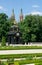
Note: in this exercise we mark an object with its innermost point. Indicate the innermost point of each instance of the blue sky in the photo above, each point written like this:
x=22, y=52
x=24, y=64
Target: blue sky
x=28, y=6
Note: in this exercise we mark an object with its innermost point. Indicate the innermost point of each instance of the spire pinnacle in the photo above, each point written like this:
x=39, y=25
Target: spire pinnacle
x=21, y=15
x=13, y=15
x=21, y=10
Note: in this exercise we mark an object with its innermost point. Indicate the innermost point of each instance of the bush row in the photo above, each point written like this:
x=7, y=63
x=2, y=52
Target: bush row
x=19, y=47
x=21, y=55
x=36, y=62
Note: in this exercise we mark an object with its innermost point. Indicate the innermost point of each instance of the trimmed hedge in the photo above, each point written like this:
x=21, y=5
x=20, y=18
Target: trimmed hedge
x=19, y=47
x=38, y=63
x=22, y=62
x=29, y=61
x=20, y=55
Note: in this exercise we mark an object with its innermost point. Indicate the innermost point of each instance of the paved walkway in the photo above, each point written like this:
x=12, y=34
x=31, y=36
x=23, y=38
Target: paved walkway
x=29, y=44
x=29, y=64
x=2, y=52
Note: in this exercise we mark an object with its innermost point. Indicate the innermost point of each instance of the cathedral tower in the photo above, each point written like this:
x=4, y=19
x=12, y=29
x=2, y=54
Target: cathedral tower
x=21, y=15
x=13, y=17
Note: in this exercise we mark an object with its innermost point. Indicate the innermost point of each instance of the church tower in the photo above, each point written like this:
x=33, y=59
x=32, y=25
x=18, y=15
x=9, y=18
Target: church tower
x=13, y=17
x=21, y=15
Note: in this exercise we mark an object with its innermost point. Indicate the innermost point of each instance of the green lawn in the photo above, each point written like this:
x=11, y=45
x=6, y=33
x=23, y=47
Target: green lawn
x=29, y=57
x=19, y=47
x=22, y=62
x=21, y=55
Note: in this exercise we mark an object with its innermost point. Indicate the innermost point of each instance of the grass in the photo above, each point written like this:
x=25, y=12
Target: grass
x=29, y=61
x=20, y=56
x=22, y=62
x=16, y=63
x=19, y=47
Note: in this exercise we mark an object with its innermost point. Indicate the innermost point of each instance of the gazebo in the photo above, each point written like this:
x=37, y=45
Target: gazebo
x=14, y=34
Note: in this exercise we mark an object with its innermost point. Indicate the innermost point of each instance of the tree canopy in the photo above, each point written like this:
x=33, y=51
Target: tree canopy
x=31, y=28
x=4, y=25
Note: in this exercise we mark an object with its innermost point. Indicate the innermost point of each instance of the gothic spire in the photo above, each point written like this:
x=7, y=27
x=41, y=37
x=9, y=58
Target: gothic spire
x=21, y=15
x=13, y=15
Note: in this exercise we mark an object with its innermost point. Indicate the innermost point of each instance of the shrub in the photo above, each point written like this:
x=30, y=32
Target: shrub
x=16, y=63
x=3, y=41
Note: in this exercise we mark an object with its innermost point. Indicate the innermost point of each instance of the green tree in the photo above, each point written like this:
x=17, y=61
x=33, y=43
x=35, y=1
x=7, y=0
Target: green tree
x=4, y=25
x=31, y=28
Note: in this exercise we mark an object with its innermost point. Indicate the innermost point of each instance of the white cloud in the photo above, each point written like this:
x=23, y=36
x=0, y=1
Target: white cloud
x=35, y=6
x=36, y=13
x=3, y=9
